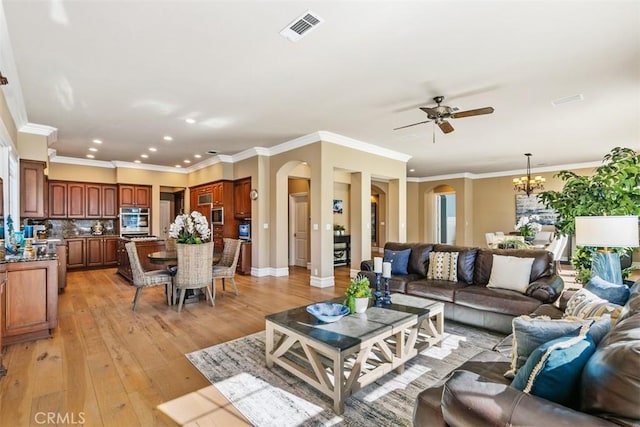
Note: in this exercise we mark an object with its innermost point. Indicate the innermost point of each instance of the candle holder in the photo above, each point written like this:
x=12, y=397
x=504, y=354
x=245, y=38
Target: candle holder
x=378, y=293
x=386, y=299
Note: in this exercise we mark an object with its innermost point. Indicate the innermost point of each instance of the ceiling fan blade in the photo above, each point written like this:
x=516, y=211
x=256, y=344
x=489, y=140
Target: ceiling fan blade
x=469, y=113
x=413, y=124
x=445, y=126
x=430, y=112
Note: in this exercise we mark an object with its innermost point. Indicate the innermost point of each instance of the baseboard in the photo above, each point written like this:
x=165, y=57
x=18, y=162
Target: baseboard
x=322, y=282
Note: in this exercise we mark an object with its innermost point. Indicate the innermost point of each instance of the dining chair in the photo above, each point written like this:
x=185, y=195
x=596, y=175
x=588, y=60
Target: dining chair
x=557, y=250
x=226, y=267
x=489, y=237
x=144, y=279
x=193, y=270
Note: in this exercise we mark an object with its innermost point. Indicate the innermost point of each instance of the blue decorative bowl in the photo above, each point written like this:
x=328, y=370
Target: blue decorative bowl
x=328, y=312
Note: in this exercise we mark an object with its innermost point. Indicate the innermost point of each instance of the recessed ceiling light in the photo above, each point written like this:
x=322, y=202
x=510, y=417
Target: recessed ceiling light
x=137, y=161
x=167, y=138
x=97, y=141
x=197, y=156
x=187, y=161
x=94, y=149
x=144, y=156
x=190, y=121
x=153, y=149
x=412, y=170
x=178, y=166
x=91, y=156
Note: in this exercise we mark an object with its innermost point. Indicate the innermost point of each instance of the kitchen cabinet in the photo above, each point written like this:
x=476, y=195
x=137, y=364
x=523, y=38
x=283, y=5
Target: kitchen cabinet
x=76, y=200
x=93, y=197
x=144, y=248
x=61, y=253
x=68, y=199
x=217, y=191
x=138, y=196
x=95, y=251
x=30, y=301
x=110, y=251
x=244, y=261
x=3, y=280
x=57, y=199
x=76, y=252
x=32, y=189
x=109, y=201
x=241, y=198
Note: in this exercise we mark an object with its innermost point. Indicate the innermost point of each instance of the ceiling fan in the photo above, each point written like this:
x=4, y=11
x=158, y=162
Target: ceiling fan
x=440, y=113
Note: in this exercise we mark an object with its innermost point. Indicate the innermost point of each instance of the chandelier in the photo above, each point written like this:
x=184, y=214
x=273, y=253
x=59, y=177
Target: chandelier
x=526, y=184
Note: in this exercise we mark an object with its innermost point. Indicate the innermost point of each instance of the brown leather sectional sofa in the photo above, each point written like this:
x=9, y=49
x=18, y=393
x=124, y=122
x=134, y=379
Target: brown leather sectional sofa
x=478, y=394
x=469, y=300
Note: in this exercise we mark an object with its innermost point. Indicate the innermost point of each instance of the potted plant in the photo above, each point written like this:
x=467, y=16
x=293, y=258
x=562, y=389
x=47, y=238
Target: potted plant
x=338, y=229
x=513, y=244
x=528, y=227
x=613, y=189
x=358, y=294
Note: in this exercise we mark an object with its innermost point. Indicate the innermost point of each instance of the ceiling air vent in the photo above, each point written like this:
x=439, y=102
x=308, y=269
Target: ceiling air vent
x=301, y=26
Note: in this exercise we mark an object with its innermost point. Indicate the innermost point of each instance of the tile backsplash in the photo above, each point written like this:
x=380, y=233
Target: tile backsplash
x=61, y=228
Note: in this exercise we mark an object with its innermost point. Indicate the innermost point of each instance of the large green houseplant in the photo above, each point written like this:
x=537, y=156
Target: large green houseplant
x=613, y=189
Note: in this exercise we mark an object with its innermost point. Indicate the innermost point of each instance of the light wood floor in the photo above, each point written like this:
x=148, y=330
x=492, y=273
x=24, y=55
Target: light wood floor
x=109, y=366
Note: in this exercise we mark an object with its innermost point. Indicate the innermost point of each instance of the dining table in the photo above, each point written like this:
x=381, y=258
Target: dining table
x=170, y=260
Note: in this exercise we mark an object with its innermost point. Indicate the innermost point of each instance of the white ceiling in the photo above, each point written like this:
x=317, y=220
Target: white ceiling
x=130, y=72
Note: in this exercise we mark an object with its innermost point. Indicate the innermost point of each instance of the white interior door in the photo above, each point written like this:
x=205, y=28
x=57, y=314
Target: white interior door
x=299, y=252
x=165, y=218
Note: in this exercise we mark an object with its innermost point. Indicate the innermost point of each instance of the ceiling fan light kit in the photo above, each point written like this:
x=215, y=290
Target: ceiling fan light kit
x=527, y=184
x=440, y=113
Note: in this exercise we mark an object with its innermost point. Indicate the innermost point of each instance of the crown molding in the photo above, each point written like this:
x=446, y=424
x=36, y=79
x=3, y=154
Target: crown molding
x=468, y=175
x=345, y=141
x=53, y=158
x=35, y=129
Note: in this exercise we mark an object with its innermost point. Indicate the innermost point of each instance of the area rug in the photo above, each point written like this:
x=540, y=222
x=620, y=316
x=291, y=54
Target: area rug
x=273, y=397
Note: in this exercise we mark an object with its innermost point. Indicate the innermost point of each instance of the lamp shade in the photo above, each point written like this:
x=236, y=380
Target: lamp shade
x=607, y=231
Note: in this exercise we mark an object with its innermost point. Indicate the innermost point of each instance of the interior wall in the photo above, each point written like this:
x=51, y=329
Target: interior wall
x=341, y=191
x=7, y=121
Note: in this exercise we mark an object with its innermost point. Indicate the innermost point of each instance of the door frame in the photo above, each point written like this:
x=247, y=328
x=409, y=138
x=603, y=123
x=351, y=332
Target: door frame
x=292, y=222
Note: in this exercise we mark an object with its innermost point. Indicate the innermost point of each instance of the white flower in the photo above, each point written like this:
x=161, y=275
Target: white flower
x=192, y=228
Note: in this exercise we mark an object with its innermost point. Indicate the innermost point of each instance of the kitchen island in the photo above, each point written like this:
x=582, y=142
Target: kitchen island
x=29, y=299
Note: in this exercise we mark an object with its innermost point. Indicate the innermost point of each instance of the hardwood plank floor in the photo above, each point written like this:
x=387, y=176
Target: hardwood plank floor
x=109, y=366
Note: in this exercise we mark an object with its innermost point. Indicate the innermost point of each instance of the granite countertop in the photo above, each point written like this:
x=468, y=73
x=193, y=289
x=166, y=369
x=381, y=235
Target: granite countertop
x=17, y=258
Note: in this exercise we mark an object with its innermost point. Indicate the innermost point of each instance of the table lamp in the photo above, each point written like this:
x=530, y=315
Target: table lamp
x=607, y=232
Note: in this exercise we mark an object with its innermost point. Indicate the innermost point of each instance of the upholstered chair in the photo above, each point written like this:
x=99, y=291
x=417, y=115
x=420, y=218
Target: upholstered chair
x=194, y=269
x=144, y=279
x=226, y=267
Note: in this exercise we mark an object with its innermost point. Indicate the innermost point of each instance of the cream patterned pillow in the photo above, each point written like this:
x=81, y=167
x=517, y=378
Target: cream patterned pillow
x=443, y=266
x=585, y=304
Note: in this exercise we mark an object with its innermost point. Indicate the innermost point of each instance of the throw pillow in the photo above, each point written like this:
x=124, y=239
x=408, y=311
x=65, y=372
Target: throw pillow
x=612, y=292
x=398, y=260
x=531, y=332
x=443, y=266
x=553, y=370
x=510, y=272
x=584, y=304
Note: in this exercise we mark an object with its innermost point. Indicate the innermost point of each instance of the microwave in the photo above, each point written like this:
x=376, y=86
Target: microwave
x=217, y=216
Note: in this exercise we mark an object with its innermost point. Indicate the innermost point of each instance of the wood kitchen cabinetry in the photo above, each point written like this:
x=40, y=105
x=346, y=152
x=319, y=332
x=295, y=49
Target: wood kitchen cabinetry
x=244, y=261
x=32, y=189
x=222, y=197
x=30, y=301
x=241, y=198
x=68, y=199
x=144, y=248
x=137, y=196
x=76, y=252
x=94, y=251
x=3, y=280
x=76, y=200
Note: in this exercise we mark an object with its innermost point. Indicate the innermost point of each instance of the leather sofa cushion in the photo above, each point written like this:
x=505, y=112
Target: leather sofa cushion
x=466, y=260
x=496, y=300
x=419, y=258
x=441, y=290
x=542, y=263
x=396, y=283
x=611, y=377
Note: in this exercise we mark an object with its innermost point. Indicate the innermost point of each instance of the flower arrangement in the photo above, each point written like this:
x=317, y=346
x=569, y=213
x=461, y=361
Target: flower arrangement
x=192, y=229
x=528, y=225
x=358, y=288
